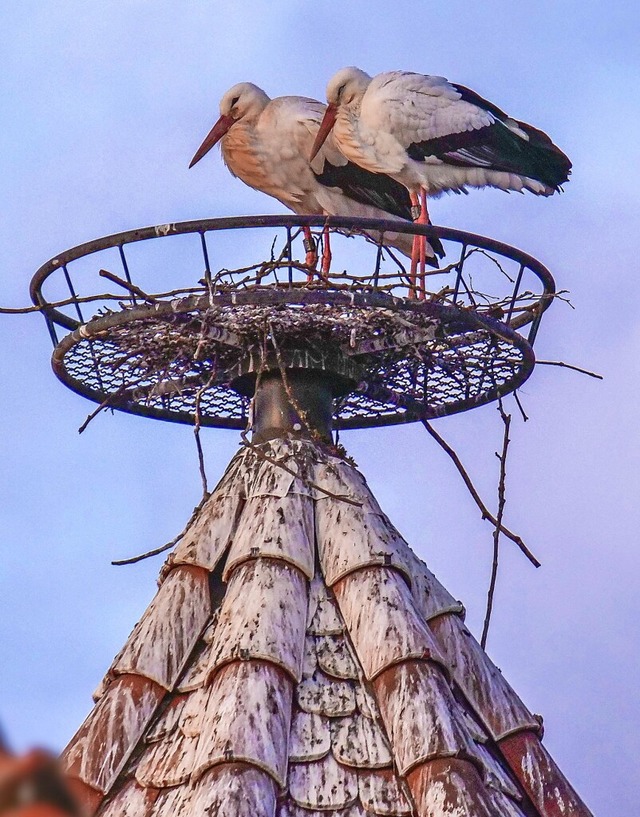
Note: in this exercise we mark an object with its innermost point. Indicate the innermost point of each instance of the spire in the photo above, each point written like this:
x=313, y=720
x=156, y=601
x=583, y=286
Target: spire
x=300, y=659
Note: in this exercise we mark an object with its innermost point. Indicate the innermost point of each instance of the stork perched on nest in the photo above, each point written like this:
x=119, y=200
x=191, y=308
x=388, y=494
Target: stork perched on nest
x=267, y=142
x=432, y=135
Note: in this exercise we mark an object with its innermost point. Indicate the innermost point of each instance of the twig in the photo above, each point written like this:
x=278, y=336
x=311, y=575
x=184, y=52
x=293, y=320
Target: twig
x=109, y=399
x=506, y=419
x=196, y=433
x=104, y=296
x=170, y=544
x=520, y=406
x=26, y=310
x=132, y=288
x=279, y=464
x=260, y=372
x=569, y=366
x=491, y=258
x=486, y=514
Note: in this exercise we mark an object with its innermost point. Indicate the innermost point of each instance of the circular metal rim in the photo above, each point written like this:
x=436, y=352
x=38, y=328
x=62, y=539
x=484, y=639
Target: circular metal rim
x=248, y=222
x=414, y=411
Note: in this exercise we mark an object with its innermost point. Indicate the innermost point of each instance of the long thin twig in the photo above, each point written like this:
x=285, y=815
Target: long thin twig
x=132, y=288
x=196, y=434
x=260, y=372
x=168, y=545
x=108, y=401
x=85, y=299
x=569, y=366
x=525, y=416
x=205, y=491
x=506, y=419
x=486, y=514
x=26, y=310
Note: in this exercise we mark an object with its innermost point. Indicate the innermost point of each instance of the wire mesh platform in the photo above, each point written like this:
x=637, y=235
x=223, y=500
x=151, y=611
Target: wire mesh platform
x=178, y=320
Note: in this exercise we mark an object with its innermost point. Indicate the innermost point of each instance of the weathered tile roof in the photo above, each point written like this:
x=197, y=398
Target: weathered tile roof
x=299, y=660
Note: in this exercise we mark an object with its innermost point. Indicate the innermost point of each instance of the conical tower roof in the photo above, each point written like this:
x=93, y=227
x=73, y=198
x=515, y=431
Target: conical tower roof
x=299, y=660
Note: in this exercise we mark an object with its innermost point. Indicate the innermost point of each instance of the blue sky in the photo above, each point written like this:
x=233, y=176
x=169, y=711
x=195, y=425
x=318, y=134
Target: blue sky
x=103, y=106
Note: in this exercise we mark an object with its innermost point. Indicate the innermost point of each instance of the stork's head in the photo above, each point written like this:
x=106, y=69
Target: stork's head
x=347, y=86
x=244, y=101
x=345, y=89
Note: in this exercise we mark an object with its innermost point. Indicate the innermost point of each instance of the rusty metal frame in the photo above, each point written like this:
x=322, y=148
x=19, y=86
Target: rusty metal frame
x=457, y=319
x=290, y=222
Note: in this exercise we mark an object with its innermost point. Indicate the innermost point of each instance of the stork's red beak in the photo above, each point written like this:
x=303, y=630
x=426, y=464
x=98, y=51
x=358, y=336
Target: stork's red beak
x=215, y=134
x=328, y=121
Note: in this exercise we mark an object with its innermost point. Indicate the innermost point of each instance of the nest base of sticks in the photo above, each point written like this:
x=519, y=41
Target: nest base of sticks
x=385, y=359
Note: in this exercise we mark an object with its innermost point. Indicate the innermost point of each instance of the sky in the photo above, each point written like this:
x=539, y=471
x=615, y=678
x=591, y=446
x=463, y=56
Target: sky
x=103, y=105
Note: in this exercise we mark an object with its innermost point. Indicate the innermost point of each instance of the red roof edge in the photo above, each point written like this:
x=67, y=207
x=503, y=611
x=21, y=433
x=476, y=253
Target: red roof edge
x=540, y=777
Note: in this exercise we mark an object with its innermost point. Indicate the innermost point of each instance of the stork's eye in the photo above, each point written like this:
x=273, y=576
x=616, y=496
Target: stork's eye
x=234, y=101
x=341, y=89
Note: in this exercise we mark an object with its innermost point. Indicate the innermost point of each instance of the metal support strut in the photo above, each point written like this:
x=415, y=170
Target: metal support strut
x=303, y=407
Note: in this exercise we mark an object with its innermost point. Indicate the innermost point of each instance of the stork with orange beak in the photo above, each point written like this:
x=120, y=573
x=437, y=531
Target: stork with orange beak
x=432, y=135
x=267, y=142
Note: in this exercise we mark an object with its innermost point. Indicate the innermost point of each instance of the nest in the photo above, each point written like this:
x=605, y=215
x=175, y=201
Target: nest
x=404, y=359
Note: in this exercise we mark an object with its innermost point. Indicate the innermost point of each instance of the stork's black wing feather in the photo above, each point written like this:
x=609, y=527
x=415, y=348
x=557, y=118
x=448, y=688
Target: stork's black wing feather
x=375, y=189
x=496, y=147
x=467, y=95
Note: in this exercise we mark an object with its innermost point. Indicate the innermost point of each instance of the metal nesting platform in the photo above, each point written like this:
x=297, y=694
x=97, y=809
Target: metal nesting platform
x=176, y=321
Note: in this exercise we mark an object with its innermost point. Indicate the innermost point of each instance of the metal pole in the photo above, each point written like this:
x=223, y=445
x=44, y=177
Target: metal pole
x=303, y=407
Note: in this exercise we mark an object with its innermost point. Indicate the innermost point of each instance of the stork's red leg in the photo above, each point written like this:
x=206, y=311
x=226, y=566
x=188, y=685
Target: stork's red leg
x=311, y=258
x=415, y=249
x=423, y=218
x=326, y=253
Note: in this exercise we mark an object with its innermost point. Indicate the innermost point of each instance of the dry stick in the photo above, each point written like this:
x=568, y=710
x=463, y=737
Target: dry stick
x=486, y=514
x=196, y=432
x=491, y=258
x=105, y=296
x=109, y=399
x=520, y=406
x=196, y=510
x=170, y=544
x=569, y=366
x=301, y=413
x=260, y=372
x=285, y=381
x=132, y=288
x=506, y=419
x=279, y=464
x=26, y=310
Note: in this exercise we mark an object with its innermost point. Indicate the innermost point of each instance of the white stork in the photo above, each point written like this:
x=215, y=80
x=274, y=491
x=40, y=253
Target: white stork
x=432, y=135
x=267, y=142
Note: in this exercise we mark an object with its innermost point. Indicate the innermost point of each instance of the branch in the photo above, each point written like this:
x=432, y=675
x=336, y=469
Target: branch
x=525, y=416
x=170, y=544
x=279, y=464
x=506, y=419
x=569, y=366
x=132, y=288
x=26, y=310
x=486, y=514
x=108, y=401
x=196, y=433
x=285, y=381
